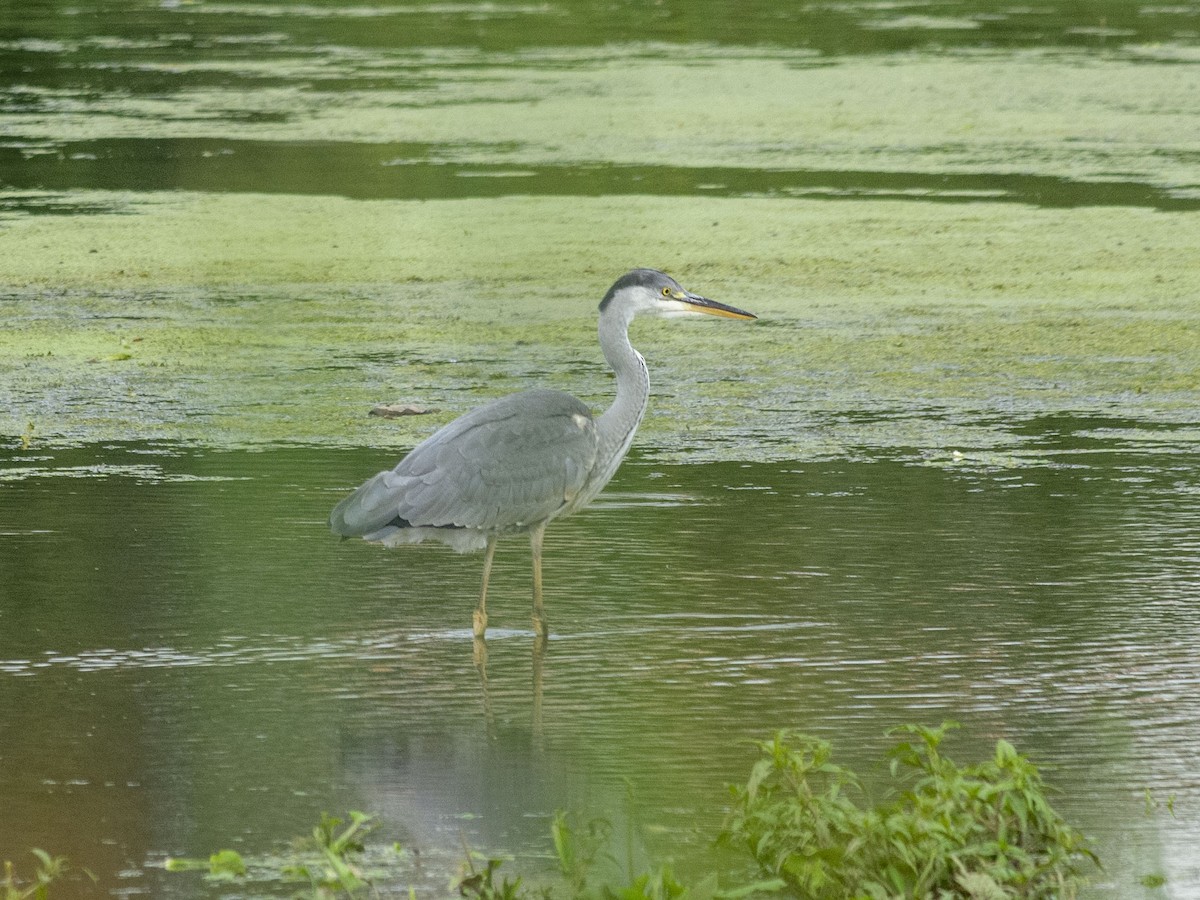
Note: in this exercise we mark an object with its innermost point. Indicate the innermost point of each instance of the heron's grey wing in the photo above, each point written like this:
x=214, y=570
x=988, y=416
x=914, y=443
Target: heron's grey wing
x=511, y=463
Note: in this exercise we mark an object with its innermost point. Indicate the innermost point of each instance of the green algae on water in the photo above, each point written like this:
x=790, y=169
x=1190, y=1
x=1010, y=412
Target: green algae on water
x=244, y=320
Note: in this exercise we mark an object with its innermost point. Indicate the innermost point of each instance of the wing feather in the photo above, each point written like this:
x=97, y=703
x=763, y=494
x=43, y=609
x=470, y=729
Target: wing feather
x=509, y=464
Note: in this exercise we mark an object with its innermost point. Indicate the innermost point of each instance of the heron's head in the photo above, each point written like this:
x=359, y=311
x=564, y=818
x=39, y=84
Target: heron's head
x=652, y=291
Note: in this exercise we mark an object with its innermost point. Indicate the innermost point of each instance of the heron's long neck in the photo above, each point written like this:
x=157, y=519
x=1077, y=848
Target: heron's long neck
x=617, y=424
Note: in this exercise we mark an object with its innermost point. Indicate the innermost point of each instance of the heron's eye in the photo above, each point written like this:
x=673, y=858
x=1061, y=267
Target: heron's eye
x=666, y=292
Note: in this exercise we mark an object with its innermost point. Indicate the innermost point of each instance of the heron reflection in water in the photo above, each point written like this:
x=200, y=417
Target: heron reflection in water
x=514, y=465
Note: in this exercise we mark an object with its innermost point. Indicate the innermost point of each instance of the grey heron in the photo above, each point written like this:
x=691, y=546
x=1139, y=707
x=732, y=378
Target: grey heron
x=519, y=462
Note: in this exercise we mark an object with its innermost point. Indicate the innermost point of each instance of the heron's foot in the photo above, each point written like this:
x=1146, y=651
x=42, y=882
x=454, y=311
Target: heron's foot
x=479, y=624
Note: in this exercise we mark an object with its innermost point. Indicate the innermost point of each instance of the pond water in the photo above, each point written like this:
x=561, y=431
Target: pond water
x=951, y=473
x=189, y=661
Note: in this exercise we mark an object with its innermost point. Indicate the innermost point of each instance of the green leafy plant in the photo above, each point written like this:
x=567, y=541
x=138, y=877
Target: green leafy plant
x=328, y=860
x=224, y=865
x=485, y=884
x=36, y=887
x=943, y=831
x=578, y=851
x=984, y=831
x=334, y=872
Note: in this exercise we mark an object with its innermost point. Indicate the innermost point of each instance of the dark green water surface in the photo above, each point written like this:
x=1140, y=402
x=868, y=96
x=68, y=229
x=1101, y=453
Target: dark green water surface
x=237, y=96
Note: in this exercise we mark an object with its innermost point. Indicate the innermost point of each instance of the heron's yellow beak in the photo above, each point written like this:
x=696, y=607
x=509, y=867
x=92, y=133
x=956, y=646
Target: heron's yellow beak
x=713, y=308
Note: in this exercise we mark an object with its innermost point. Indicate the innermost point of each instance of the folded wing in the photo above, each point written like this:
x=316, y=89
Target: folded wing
x=509, y=464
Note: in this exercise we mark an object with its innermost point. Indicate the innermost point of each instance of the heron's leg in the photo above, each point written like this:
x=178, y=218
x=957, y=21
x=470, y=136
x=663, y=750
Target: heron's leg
x=539, y=659
x=539, y=611
x=480, y=655
x=479, y=620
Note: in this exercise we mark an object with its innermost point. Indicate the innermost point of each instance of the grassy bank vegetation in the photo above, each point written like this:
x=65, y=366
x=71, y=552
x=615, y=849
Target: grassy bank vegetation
x=807, y=827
